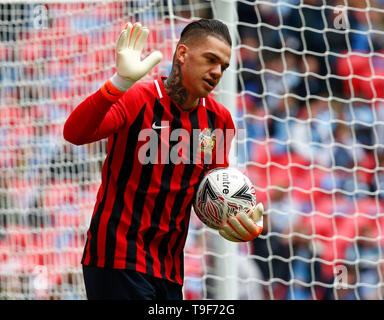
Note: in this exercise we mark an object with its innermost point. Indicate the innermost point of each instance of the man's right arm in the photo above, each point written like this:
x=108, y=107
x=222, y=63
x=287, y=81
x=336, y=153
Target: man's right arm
x=96, y=117
x=103, y=113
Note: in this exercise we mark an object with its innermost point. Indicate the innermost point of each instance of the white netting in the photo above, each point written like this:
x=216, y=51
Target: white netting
x=311, y=83
x=309, y=96
x=53, y=55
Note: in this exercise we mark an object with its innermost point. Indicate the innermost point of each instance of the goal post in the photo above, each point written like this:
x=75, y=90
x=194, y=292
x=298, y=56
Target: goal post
x=306, y=91
x=226, y=266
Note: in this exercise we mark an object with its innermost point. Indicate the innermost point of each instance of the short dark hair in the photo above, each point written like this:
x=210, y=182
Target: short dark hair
x=206, y=27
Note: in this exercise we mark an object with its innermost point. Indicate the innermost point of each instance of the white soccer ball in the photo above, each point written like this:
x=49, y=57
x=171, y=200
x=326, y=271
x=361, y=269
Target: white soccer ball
x=223, y=192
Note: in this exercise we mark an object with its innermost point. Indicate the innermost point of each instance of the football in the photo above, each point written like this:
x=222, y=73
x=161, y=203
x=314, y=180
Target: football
x=223, y=192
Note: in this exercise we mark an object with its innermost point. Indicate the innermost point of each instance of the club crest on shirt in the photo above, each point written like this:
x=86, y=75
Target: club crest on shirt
x=207, y=140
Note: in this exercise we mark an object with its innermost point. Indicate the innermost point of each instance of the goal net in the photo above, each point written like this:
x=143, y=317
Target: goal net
x=305, y=89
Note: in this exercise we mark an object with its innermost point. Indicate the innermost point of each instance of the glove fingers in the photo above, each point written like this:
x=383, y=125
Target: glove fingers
x=244, y=227
x=141, y=39
x=128, y=30
x=121, y=41
x=153, y=59
x=259, y=211
x=254, y=227
x=248, y=224
x=134, y=33
x=226, y=232
x=239, y=228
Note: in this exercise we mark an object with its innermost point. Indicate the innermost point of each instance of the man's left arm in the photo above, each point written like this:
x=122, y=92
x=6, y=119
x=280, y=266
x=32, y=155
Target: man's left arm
x=241, y=227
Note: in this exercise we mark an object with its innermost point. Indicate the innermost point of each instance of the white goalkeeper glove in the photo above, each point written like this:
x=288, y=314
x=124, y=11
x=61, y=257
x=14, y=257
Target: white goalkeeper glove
x=243, y=227
x=129, y=67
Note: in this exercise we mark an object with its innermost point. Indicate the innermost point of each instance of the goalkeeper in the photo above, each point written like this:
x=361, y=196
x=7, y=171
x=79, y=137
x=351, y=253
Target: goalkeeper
x=135, y=242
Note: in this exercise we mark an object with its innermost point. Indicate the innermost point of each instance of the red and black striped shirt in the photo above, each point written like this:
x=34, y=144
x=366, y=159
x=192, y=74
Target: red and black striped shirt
x=157, y=155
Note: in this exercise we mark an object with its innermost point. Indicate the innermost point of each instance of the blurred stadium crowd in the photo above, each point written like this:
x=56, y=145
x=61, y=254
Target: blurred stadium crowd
x=318, y=159
x=312, y=105
x=47, y=186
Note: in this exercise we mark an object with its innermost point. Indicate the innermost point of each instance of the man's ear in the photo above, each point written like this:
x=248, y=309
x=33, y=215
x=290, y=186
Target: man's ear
x=181, y=52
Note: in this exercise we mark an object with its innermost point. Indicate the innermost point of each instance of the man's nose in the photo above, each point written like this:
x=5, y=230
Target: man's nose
x=216, y=71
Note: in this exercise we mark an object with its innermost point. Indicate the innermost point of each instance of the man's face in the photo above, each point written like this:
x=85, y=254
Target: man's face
x=203, y=64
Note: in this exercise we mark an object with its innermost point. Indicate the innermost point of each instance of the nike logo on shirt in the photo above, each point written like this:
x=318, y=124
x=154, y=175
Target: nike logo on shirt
x=154, y=126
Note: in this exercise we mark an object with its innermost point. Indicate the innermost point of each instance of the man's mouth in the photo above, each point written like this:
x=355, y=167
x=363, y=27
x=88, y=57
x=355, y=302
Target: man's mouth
x=210, y=82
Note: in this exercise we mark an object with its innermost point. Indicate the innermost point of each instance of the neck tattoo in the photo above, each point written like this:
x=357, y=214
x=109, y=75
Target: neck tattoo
x=174, y=86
